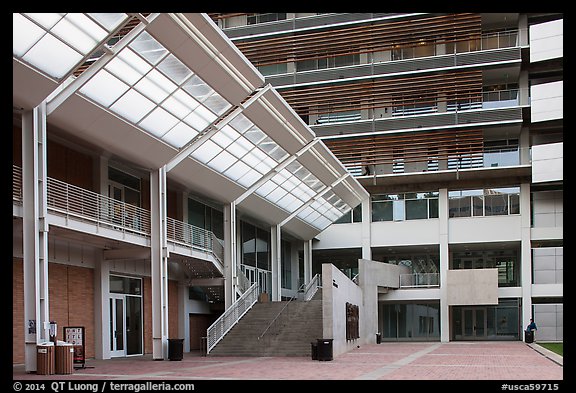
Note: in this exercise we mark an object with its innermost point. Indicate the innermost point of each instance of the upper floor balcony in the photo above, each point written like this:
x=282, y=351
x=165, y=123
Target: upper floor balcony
x=79, y=209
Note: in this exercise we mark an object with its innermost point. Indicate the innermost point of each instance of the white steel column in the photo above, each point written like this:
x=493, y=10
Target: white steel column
x=366, y=228
x=230, y=242
x=102, y=306
x=307, y=261
x=276, y=261
x=183, y=315
x=159, y=264
x=525, y=254
x=444, y=264
x=35, y=233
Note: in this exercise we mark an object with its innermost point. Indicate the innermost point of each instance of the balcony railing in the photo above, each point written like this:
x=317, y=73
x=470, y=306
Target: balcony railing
x=88, y=206
x=419, y=280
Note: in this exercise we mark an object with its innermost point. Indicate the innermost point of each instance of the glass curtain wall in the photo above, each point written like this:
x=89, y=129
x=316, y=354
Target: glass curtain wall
x=500, y=322
x=255, y=251
x=405, y=206
x=206, y=217
x=507, y=262
x=410, y=321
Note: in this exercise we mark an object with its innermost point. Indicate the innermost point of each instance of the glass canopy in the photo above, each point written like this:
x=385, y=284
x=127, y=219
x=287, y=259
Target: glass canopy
x=57, y=43
x=148, y=86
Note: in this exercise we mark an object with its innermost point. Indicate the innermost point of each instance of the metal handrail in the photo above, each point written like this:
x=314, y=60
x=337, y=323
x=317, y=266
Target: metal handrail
x=311, y=288
x=73, y=201
x=415, y=280
x=273, y=322
x=231, y=316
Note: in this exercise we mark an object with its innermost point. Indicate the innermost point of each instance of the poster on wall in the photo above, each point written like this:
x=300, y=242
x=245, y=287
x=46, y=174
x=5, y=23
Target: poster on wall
x=75, y=336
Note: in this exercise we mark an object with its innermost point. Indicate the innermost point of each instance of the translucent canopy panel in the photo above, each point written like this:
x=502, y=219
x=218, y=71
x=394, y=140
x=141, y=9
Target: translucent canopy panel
x=56, y=43
x=324, y=210
x=240, y=151
x=151, y=88
x=291, y=187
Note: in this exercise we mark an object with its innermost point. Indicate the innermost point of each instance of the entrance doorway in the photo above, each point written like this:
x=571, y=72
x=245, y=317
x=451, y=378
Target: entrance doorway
x=474, y=323
x=125, y=330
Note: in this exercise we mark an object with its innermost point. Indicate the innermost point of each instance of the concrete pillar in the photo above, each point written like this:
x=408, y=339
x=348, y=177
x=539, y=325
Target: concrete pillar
x=101, y=306
x=294, y=266
x=35, y=233
x=183, y=315
x=307, y=261
x=159, y=264
x=366, y=229
x=525, y=254
x=444, y=263
x=230, y=254
x=276, y=261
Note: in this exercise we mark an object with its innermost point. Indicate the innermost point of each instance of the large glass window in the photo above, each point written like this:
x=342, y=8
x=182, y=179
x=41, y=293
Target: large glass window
x=507, y=261
x=206, y=217
x=486, y=202
x=407, y=206
x=265, y=17
x=354, y=215
x=411, y=321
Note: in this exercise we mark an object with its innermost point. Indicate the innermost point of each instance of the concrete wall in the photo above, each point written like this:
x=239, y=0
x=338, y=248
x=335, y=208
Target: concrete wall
x=484, y=229
x=547, y=101
x=548, y=265
x=472, y=287
x=548, y=162
x=337, y=290
x=549, y=319
x=547, y=40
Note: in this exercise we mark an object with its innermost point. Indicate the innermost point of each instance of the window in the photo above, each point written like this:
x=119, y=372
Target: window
x=408, y=206
x=487, y=202
x=263, y=18
x=354, y=215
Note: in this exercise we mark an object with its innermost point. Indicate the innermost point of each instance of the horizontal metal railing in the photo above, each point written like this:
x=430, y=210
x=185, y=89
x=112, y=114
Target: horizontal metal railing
x=415, y=280
x=85, y=205
x=231, y=316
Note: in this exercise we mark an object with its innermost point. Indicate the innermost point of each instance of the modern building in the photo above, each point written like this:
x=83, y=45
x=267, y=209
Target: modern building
x=170, y=168
x=157, y=178
x=454, y=125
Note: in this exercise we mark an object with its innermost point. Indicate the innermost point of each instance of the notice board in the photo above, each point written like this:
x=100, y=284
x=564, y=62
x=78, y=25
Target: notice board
x=75, y=335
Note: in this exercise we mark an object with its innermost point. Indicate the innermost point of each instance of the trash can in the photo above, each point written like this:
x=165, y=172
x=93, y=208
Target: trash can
x=45, y=358
x=378, y=338
x=314, y=349
x=528, y=336
x=64, y=358
x=204, y=346
x=324, y=349
x=175, y=348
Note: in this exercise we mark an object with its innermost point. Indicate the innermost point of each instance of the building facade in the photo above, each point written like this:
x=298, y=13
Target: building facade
x=157, y=179
x=454, y=125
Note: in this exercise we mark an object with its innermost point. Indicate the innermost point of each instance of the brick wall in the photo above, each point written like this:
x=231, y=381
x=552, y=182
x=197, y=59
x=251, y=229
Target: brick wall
x=71, y=297
x=172, y=311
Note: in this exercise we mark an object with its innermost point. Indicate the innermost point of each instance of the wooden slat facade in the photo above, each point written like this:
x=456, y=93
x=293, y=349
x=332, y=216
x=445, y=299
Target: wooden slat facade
x=422, y=90
x=413, y=147
x=378, y=36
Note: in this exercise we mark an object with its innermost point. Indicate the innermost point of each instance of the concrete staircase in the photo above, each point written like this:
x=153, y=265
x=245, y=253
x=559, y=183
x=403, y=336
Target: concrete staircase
x=302, y=326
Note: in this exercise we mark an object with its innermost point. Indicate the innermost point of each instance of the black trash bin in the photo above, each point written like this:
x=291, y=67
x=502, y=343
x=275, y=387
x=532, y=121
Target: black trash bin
x=528, y=336
x=378, y=338
x=324, y=348
x=175, y=348
x=314, y=349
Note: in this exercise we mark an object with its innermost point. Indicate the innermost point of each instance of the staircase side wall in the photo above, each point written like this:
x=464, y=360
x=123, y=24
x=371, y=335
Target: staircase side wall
x=337, y=290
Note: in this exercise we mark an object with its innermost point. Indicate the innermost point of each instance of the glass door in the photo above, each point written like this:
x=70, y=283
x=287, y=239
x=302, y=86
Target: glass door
x=117, y=326
x=474, y=323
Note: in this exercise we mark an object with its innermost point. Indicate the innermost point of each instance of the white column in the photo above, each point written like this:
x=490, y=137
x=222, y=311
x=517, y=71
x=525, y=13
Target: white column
x=35, y=233
x=276, y=262
x=307, y=261
x=525, y=254
x=366, y=229
x=159, y=264
x=101, y=306
x=444, y=263
x=183, y=315
x=294, y=265
x=230, y=242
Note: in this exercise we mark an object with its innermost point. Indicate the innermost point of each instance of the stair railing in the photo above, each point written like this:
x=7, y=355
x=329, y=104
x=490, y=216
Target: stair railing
x=311, y=288
x=231, y=316
x=274, y=327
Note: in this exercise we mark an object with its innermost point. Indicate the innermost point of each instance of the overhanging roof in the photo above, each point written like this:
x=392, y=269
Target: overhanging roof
x=177, y=84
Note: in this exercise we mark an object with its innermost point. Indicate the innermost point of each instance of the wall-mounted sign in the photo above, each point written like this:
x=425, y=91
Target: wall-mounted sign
x=75, y=336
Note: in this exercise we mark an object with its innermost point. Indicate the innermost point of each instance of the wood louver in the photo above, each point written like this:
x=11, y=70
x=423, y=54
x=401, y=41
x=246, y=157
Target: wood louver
x=358, y=152
x=377, y=36
x=423, y=90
